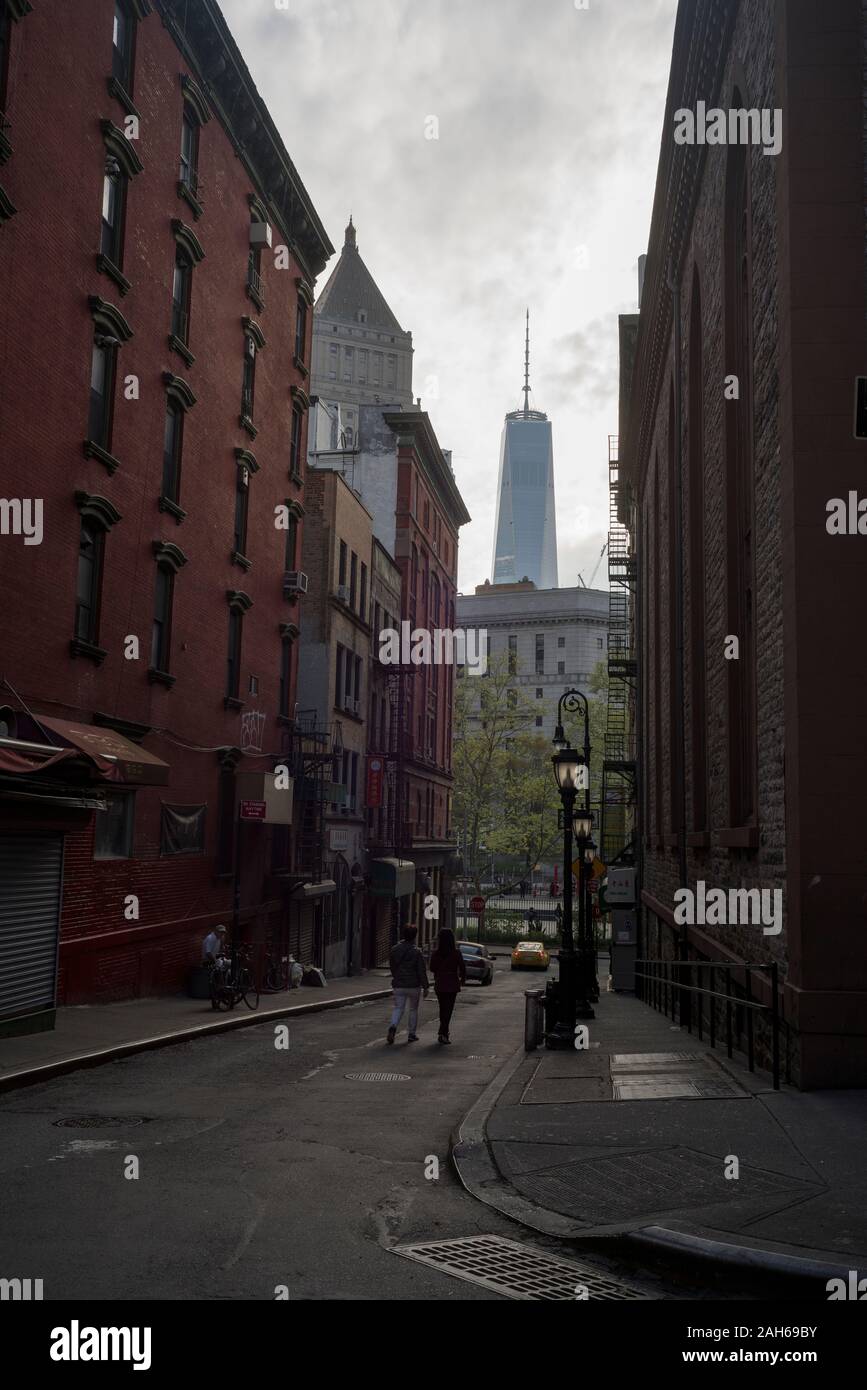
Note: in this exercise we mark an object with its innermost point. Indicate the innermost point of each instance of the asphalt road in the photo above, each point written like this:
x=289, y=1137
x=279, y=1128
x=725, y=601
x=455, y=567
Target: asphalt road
x=258, y=1167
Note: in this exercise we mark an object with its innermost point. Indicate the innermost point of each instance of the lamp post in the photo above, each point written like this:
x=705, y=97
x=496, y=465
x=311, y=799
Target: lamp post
x=572, y=774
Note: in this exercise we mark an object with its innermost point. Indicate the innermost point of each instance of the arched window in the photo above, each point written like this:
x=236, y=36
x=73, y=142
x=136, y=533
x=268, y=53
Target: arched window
x=675, y=708
x=169, y=560
x=98, y=515
x=697, y=635
x=740, y=504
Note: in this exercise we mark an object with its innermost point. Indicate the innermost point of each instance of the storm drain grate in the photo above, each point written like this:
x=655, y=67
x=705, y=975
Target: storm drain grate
x=518, y=1271
x=98, y=1121
x=377, y=1076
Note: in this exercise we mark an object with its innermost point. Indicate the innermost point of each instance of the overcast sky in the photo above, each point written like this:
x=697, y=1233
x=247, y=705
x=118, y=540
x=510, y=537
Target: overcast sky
x=549, y=123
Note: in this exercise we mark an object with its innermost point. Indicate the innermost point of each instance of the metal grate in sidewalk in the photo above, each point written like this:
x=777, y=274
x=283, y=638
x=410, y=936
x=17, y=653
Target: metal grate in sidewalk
x=519, y=1271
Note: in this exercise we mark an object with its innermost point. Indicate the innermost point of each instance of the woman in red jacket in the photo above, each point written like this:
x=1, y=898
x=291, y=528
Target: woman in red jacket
x=449, y=972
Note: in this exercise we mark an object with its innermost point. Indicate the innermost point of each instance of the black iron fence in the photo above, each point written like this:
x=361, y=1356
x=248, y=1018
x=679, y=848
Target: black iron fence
x=674, y=986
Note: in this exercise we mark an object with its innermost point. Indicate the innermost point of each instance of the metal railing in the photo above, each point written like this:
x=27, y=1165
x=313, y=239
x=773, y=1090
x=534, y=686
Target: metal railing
x=669, y=987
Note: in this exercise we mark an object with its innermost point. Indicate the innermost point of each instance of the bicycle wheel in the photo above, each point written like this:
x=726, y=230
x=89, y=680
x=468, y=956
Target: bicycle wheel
x=248, y=989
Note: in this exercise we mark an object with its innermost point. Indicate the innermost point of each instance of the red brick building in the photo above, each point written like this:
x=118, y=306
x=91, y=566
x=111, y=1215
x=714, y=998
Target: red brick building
x=155, y=229
x=736, y=434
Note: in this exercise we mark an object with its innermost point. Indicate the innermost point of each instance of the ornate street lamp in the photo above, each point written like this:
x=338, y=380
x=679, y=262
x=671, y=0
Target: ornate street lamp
x=573, y=988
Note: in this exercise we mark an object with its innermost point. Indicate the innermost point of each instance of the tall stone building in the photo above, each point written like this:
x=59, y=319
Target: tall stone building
x=738, y=460
x=361, y=355
x=551, y=638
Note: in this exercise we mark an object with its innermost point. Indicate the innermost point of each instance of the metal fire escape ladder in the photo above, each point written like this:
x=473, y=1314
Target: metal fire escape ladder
x=618, y=766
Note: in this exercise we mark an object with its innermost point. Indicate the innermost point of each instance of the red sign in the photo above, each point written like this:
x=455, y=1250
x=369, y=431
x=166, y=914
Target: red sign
x=374, y=781
x=253, y=810
x=477, y=904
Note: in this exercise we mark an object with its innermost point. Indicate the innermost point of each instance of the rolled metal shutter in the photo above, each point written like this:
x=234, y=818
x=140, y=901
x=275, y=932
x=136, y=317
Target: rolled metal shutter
x=31, y=876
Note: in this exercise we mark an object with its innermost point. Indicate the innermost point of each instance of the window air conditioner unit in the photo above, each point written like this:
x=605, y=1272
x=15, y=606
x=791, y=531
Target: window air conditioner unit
x=343, y=593
x=260, y=233
x=295, y=582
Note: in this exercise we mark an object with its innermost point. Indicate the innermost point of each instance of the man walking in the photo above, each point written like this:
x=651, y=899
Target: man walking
x=408, y=979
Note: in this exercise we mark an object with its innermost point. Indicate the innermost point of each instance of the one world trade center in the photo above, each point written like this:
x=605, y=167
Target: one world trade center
x=525, y=544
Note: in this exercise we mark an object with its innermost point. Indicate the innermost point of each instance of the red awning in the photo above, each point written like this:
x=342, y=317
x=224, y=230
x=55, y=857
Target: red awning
x=117, y=758
x=12, y=761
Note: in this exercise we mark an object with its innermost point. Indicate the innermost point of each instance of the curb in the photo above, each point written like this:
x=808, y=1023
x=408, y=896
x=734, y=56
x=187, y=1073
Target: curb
x=31, y=1076
x=474, y=1164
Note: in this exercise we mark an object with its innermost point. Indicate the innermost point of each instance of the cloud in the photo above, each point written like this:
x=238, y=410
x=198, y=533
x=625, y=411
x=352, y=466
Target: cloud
x=549, y=129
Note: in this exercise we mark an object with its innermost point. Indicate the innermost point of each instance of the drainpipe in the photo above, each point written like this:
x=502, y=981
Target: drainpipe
x=674, y=286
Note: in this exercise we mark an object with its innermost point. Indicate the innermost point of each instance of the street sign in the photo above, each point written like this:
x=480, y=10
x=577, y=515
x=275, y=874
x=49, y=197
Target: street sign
x=477, y=904
x=253, y=810
x=621, y=887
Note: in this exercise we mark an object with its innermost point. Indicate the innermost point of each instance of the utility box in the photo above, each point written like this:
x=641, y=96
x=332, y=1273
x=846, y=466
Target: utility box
x=624, y=948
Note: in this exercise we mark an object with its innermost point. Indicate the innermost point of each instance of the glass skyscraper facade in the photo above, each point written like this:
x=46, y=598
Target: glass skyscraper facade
x=525, y=544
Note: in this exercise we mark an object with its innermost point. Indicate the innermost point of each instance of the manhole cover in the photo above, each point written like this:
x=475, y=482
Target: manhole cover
x=517, y=1271
x=377, y=1076
x=98, y=1121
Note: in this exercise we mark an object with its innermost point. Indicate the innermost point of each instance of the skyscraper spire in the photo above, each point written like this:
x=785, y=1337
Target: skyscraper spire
x=527, y=368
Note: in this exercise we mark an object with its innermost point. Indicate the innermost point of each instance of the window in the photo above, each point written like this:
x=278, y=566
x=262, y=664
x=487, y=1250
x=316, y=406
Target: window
x=122, y=45
x=162, y=628
x=347, y=364
x=189, y=165
x=172, y=437
x=341, y=568
x=332, y=361
x=292, y=541
x=347, y=686
x=540, y=653
x=539, y=692
x=599, y=643
x=338, y=679
x=301, y=329
x=358, y=681
x=182, y=830
x=539, y=721
x=113, y=827
x=181, y=285
x=513, y=655
x=426, y=510
x=285, y=676
x=353, y=578
x=242, y=500
x=561, y=668
x=91, y=546
x=226, y=821
x=113, y=203
x=254, y=273
x=248, y=385
x=512, y=699
x=695, y=467
x=362, y=365
x=377, y=368
x=5, y=35
x=390, y=369
x=239, y=604
x=295, y=442
x=102, y=372
x=362, y=597
x=561, y=641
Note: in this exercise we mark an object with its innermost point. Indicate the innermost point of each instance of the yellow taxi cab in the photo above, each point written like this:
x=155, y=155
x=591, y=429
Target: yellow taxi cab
x=530, y=955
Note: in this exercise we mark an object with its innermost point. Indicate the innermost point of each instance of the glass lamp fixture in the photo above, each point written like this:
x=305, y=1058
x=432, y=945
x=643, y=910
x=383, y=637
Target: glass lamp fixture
x=566, y=764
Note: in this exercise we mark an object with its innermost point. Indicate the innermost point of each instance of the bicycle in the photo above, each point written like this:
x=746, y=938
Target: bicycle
x=232, y=980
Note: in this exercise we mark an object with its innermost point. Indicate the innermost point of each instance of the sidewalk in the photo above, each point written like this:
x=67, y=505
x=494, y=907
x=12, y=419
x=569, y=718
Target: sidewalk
x=90, y=1034
x=629, y=1142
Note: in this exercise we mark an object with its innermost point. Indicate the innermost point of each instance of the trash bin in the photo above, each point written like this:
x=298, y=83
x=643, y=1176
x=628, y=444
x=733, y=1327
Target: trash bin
x=534, y=1018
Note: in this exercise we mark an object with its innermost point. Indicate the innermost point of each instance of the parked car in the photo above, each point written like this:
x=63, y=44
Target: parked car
x=530, y=955
x=478, y=961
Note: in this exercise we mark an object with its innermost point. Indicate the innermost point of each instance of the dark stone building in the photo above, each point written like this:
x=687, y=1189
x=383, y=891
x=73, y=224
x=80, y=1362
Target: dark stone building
x=753, y=752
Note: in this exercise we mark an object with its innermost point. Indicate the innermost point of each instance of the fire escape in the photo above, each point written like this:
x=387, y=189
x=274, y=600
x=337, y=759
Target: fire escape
x=316, y=753
x=618, y=767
